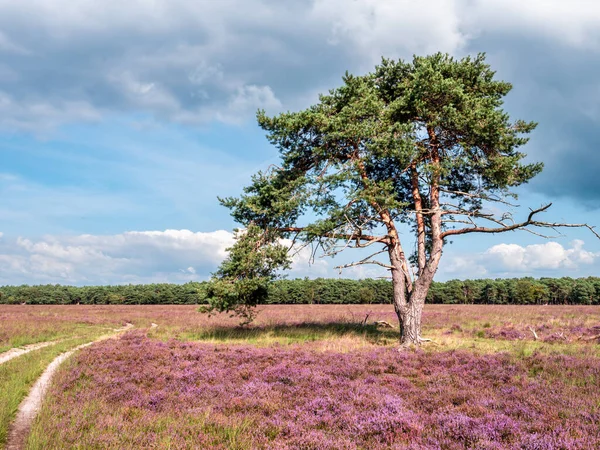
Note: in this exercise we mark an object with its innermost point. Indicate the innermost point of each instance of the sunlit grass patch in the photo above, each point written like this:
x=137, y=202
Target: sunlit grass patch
x=27, y=337
x=24, y=325
x=442, y=341
x=347, y=336
x=281, y=334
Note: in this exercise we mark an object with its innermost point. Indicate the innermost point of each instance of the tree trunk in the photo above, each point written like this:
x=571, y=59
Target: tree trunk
x=409, y=315
x=409, y=304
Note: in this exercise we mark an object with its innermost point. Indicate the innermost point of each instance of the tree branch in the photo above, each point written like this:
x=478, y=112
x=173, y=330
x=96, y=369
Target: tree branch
x=480, y=196
x=366, y=260
x=529, y=222
x=386, y=218
x=421, y=249
x=344, y=236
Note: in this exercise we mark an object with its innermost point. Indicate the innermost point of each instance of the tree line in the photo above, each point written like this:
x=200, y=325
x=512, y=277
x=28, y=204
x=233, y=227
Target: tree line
x=514, y=291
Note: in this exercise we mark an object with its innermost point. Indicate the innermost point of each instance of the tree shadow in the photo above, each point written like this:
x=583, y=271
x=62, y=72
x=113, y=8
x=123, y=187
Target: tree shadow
x=298, y=332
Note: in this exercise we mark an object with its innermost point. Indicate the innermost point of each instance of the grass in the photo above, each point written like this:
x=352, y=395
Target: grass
x=518, y=348
x=18, y=375
x=262, y=336
x=344, y=337
x=26, y=338
x=23, y=325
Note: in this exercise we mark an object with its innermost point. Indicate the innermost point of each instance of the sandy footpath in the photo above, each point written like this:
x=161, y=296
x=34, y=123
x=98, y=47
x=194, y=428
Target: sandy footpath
x=29, y=407
x=14, y=352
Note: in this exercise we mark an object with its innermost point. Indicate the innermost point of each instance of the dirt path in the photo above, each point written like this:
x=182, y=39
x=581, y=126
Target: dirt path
x=29, y=407
x=14, y=352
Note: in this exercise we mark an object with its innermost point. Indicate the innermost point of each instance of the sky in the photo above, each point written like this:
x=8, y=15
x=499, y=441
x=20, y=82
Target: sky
x=121, y=122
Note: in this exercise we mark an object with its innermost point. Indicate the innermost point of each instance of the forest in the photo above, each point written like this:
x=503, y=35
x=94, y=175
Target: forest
x=513, y=291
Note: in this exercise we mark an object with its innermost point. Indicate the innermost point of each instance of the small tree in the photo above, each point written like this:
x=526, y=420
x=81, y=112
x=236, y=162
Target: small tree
x=423, y=144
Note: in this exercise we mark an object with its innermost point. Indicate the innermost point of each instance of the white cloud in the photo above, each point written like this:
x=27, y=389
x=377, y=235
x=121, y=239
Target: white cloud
x=462, y=266
x=515, y=260
x=375, y=27
x=365, y=271
x=305, y=263
x=136, y=256
x=574, y=23
x=40, y=115
x=246, y=100
x=183, y=255
x=130, y=257
x=162, y=57
x=550, y=255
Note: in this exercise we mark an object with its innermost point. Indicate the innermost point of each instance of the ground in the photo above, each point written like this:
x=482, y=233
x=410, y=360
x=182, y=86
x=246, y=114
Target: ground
x=308, y=377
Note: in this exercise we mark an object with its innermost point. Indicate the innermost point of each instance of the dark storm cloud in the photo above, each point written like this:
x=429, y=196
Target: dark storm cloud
x=557, y=86
x=188, y=70
x=188, y=61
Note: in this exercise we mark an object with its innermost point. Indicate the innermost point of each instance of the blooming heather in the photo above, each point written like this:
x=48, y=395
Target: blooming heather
x=146, y=393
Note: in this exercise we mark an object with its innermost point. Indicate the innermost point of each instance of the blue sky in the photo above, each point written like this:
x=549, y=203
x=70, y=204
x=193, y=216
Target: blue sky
x=120, y=123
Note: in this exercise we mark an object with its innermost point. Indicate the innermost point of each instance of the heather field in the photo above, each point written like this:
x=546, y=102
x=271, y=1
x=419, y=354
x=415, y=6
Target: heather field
x=319, y=377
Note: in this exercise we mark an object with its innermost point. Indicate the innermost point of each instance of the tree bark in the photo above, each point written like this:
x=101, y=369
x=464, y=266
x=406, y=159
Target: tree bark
x=408, y=305
x=409, y=314
x=410, y=322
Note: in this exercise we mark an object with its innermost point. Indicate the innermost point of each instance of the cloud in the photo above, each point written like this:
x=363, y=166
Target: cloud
x=194, y=62
x=365, y=271
x=305, y=263
x=550, y=255
x=244, y=103
x=182, y=255
x=42, y=115
x=574, y=23
x=375, y=28
x=553, y=84
x=135, y=256
x=502, y=260
x=130, y=257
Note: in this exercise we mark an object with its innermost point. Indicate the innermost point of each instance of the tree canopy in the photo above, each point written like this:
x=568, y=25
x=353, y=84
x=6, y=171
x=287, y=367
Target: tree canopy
x=423, y=143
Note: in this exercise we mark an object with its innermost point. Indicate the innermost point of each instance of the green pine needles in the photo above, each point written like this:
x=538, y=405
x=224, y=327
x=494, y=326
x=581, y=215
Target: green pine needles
x=424, y=144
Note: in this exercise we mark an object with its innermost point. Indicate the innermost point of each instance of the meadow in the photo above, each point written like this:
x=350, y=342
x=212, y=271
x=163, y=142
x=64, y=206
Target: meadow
x=309, y=377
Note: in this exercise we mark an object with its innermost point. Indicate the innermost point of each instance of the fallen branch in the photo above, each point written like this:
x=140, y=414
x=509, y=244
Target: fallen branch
x=589, y=338
x=535, y=336
x=364, y=322
x=383, y=323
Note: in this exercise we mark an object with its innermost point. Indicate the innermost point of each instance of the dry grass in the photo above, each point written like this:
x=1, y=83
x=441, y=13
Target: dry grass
x=482, y=328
